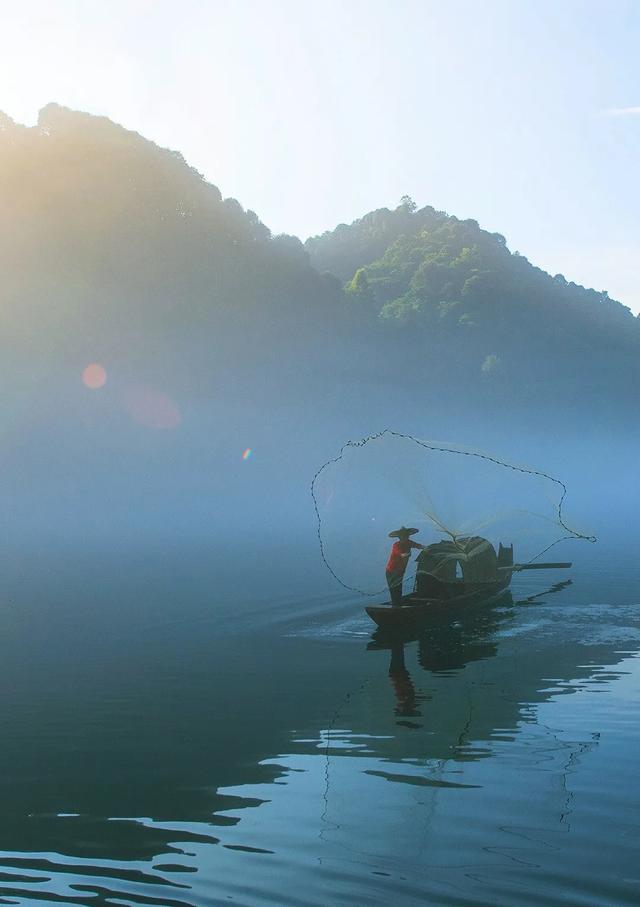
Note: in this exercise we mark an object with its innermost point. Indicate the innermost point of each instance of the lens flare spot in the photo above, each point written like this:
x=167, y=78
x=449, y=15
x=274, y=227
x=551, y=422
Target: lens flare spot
x=152, y=408
x=94, y=376
x=247, y=454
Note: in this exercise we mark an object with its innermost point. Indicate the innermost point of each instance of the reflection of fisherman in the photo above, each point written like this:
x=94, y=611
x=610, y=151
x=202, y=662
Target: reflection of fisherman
x=406, y=699
x=398, y=560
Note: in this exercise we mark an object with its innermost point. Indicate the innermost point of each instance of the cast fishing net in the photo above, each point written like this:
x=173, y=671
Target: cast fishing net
x=388, y=480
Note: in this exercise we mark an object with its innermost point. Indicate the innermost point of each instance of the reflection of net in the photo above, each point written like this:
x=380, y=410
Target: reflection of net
x=391, y=479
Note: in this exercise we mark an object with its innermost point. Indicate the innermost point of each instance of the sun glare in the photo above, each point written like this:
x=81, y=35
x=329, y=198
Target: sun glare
x=94, y=376
x=152, y=408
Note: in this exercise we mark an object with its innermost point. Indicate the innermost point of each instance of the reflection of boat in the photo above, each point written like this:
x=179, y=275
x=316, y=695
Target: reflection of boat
x=444, y=650
x=451, y=577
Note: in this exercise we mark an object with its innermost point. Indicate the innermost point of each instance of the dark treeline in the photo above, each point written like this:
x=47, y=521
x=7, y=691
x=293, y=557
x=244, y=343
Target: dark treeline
x=113, y=250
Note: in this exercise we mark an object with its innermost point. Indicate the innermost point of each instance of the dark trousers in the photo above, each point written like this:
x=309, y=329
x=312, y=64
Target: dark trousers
x=394, y=582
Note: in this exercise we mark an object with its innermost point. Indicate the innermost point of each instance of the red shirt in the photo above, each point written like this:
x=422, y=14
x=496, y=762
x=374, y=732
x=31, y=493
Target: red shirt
x=399, y=557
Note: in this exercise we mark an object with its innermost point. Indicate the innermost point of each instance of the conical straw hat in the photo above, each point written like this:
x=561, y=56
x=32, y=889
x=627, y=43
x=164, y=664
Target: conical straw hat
x=399, y=533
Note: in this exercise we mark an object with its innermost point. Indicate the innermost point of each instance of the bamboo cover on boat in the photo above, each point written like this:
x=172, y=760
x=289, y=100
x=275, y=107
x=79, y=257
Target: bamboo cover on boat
x=475, y=557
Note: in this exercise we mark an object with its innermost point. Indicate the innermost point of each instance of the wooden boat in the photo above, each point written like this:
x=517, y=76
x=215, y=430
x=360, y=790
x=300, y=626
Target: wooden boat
x=452, y=577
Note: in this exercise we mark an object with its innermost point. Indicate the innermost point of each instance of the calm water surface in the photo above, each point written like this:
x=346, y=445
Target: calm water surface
x=177, y=733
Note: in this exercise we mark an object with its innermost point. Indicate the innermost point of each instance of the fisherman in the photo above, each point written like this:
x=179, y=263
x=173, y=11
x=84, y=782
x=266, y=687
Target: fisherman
x=398, y=560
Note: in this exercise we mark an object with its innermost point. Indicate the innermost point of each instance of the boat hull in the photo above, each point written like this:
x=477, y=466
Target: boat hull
x=418, y=612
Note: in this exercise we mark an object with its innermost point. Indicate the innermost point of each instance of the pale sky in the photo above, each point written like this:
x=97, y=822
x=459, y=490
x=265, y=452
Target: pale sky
x=523, y=114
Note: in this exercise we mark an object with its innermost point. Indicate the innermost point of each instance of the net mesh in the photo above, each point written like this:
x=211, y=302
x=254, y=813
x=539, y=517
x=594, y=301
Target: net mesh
x=388, y=480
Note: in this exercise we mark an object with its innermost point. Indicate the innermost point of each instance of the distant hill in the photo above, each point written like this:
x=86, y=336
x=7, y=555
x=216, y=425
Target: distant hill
x=103, y=231
x=108, y=241
x=428, y=270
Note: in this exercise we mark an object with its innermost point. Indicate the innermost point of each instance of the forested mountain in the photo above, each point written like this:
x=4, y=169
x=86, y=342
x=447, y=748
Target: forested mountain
x=443, y=296
x=108, y=239
x=430, y=271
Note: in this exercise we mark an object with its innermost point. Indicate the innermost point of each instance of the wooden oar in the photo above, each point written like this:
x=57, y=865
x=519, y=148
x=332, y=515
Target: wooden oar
x=562, y=565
